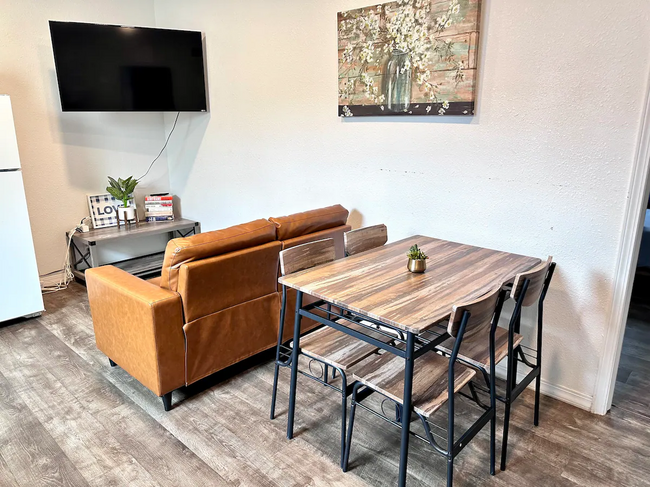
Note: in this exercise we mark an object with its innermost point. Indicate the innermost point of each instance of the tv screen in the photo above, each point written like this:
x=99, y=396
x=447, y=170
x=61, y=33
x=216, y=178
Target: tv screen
x=113, y=68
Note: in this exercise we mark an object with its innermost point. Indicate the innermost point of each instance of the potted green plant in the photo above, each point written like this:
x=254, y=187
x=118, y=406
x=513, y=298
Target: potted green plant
x=417, y=259
x=122, y=190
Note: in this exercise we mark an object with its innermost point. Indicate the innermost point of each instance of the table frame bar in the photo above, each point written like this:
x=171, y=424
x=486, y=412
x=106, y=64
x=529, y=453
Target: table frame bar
x=421, y=345
x=414, y=348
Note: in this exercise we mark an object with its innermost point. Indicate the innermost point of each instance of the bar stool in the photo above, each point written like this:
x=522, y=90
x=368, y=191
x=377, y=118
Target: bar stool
x=436, y=381
x=327, y=346
x=362, y=239
x=528, y=288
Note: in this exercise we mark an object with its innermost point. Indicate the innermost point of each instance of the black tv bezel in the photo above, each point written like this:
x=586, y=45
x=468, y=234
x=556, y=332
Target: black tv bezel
x=58, y=84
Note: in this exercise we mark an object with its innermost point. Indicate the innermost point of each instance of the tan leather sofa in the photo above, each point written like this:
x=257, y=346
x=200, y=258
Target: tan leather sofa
x=216, y=302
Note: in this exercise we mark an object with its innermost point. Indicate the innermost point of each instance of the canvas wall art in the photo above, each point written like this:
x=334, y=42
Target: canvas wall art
x=408, y=57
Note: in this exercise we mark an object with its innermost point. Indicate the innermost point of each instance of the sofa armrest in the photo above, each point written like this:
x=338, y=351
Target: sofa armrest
x=139, y=326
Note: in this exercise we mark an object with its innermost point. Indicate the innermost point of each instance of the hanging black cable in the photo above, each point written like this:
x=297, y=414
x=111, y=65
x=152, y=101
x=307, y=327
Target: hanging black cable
x=161, y=150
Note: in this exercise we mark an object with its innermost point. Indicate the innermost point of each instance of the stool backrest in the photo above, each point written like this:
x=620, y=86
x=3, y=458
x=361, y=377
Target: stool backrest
x=483, y=311
x=306, y=256
x=362, y=239
x=537, y=282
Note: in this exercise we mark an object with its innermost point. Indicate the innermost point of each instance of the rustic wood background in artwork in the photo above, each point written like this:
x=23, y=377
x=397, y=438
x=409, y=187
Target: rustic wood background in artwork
x=409, y=57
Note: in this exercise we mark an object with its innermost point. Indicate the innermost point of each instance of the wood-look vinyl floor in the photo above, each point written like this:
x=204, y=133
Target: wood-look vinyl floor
x=68, y=418
x=632, y=392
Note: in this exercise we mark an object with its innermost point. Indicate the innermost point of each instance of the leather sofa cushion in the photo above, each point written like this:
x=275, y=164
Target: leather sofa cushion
x=221, y=339
x=188, y=249
x=155, y=281
x=300, y=224
x=216, y=283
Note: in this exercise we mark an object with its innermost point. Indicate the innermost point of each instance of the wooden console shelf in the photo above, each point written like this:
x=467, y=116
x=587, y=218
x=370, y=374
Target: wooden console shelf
x=83, y=249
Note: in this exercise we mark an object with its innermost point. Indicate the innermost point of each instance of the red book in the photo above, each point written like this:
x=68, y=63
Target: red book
x=158, y=198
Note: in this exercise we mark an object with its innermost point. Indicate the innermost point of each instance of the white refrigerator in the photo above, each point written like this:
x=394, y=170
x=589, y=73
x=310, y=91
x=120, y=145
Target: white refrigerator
x=20, y=289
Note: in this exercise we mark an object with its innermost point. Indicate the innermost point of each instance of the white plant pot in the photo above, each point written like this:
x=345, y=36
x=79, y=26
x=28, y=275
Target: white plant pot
x=127, y=213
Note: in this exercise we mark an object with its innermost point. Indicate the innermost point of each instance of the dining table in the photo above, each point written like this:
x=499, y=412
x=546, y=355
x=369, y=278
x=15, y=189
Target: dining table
x=376, y=288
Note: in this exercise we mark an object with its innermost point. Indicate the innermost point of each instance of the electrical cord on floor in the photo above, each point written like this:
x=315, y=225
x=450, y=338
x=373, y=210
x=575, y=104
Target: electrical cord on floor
x=65, y=274
x=163, y=148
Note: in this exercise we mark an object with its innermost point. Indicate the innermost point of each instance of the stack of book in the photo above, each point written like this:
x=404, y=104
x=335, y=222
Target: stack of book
x=159, y=207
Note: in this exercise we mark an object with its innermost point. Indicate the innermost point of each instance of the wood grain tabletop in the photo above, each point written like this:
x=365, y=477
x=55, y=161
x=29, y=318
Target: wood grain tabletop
x=377, y=283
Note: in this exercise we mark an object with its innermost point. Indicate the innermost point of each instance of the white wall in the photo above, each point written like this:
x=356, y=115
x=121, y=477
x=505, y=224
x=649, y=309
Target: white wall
x=68, y=155
x=542, y=169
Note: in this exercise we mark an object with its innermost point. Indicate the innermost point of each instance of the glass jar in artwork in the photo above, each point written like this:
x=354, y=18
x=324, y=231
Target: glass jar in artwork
x=398, y=81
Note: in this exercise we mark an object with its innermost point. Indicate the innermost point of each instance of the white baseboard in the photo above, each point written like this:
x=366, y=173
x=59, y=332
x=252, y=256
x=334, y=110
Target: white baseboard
x=561, y=393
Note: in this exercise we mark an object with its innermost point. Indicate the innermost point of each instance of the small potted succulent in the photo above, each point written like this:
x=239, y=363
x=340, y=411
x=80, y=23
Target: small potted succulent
x=122, y=190
x=417, y=259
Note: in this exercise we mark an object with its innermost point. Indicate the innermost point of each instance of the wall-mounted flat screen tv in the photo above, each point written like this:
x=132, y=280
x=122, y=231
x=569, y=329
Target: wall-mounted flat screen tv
x=114, y=68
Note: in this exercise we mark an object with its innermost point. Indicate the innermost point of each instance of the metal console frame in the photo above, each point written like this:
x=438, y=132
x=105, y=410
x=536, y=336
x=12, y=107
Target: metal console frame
x=88, y=255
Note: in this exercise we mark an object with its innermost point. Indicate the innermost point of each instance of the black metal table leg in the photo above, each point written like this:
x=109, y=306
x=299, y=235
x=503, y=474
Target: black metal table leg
x=294, y=365
x=406, y=408
x=493, y=399
x=344, y=409
x=278, y=349
x=538, y=379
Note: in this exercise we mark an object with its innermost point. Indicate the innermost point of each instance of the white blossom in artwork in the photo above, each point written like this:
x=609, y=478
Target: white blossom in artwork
x=371, y=90
x=445, y=21
x=346, y=111
x=366, y=53
x=346, y=88
x=459, y=74
x=441, y=111
x=445, y=105
x=348, y=55
x=422, y=77
x=428, y=108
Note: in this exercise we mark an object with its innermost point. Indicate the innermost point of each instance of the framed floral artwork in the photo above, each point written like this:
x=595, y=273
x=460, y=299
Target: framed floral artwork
x=408, y=57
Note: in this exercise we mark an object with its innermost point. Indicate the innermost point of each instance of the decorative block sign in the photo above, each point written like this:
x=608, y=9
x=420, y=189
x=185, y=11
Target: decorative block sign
x=103, y=210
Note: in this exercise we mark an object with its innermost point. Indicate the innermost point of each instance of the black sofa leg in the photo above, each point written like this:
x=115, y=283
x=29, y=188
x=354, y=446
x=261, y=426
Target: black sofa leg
x=113, y=364
x=167, y=401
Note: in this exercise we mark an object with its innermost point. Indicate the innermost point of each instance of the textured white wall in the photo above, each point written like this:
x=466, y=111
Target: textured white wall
x=542, y=169
x=68, y=155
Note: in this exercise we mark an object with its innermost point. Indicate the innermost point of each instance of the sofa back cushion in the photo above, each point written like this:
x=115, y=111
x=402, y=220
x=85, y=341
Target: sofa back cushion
x=188, y=249
x=211, y=285
x=307, y=222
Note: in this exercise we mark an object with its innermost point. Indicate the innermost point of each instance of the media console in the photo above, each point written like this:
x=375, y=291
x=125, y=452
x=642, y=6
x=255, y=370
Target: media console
x=83, y=248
